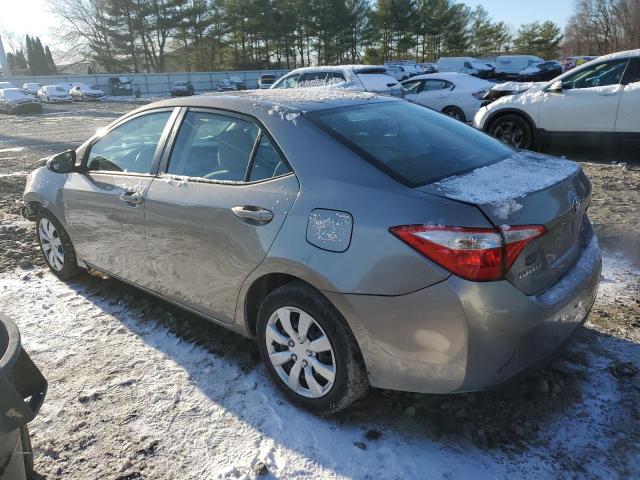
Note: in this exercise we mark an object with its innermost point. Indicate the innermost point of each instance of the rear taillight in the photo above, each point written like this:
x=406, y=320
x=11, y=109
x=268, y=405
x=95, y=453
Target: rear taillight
x=479, y=254
x=479, y=95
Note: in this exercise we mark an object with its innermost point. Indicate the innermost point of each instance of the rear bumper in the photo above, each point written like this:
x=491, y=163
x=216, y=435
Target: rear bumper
x=459, y=336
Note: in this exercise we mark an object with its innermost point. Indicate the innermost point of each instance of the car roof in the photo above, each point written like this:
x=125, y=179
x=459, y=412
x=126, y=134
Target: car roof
x=259, y=102
x=453, y=77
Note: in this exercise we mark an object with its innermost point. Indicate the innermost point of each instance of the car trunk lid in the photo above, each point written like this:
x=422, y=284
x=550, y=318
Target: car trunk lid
x=529, y=189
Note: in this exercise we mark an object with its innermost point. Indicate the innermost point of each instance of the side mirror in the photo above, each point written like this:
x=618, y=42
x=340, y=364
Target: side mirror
x=556, y=87
x=64, y=162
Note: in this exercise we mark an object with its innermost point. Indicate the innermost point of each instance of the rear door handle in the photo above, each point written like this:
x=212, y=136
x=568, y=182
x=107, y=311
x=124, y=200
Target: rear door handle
x=132, y=198
x=253, y=215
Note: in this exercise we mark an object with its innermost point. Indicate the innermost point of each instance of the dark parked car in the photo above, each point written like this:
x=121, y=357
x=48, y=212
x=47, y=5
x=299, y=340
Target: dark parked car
x=182, y=89
x=14, y=100
x=22, y=391
x=360, y=239
x=540, y=72
x=120, y=86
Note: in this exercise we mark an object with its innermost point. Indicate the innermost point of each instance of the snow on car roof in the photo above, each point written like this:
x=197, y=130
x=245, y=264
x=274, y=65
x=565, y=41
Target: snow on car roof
x=291, y=99
x=625, y=53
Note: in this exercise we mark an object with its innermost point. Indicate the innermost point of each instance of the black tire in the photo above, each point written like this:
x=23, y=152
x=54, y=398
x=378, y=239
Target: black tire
x=351, y=381
x=513, y=130
x=70, y=263
x=455, y=112
x=27, y=452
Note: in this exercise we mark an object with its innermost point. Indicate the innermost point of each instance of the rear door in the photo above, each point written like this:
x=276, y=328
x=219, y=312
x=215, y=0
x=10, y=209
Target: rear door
x=105, y=204
x=588, y=102
x=628, y=121
x=216, y=208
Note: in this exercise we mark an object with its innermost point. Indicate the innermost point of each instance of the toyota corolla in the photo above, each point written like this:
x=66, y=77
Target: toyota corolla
x=361, y=240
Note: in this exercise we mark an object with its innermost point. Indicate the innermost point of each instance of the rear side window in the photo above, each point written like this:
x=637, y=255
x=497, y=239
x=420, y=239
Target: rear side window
x=213, y=147
x=632, y=75
x=412, y=144
x=267, y=162
x=335, y=77
x=313, y=79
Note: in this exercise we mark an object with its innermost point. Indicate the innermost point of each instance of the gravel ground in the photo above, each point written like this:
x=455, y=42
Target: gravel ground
x=140, y=389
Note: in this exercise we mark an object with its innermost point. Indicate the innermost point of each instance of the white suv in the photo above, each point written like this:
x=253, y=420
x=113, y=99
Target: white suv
x=595, y=103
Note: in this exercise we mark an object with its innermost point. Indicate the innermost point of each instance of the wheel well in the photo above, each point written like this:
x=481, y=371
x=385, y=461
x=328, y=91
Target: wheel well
x=31, y=210
x=259, y=290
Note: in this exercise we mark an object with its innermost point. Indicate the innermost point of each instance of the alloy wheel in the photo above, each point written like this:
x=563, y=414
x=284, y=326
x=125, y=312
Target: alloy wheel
x=453, y=113
x=510, y=133
x=51, y=244
x=300, y=352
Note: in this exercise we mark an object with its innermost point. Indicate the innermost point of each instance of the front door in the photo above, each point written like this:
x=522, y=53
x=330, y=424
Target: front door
x=588, y=101
x=214, y=213
x=105, y=203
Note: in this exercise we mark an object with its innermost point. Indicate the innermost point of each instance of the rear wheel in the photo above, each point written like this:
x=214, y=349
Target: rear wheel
x=309, y=351
x=455, y=112
x=56, y=246
x=513, y=130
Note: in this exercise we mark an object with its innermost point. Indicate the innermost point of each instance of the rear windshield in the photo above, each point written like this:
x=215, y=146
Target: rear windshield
x=412, y=144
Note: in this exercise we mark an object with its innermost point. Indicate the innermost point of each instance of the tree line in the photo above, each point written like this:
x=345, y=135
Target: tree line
x=32, y=58
x=201, y=35
x=603, y=26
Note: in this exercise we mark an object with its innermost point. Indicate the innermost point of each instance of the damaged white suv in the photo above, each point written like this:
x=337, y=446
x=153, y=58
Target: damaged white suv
x=596, y=103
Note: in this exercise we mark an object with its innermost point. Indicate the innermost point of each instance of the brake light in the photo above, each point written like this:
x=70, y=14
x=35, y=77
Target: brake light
x=479, y=95
x=479, y=254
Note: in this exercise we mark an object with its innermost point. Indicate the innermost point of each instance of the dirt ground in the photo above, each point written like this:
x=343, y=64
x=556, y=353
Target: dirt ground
x=140, y=389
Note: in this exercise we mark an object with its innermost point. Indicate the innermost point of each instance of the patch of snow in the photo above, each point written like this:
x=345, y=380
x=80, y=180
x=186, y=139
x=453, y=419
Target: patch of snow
x=14, y=174
x=516, y=86
x=12, y=149
x=501, y=184
x=623, y=54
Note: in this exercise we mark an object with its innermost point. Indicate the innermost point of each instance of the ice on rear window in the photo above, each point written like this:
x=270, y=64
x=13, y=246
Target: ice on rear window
x=501, y=185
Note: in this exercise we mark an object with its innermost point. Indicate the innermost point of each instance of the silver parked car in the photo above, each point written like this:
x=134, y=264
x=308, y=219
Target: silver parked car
x=360, y=239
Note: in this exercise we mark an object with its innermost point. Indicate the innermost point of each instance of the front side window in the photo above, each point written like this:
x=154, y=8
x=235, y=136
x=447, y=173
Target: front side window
x=213, y=147
x=130, y=147
x=411, y=143
x=414, y=86
x=599, y=75
x=288, y=82
x=467, y=65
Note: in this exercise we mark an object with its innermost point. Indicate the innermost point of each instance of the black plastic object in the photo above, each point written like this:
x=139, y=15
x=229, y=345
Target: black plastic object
x=22, y=386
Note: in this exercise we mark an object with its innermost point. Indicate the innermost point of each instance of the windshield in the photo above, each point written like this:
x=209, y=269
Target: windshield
x=412, y=144
x=13, y=94
x=60, y=90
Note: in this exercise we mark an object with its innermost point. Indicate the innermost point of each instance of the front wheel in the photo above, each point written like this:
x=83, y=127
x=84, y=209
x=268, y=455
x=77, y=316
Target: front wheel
x=309, y=351
x=513, y=130
x=56, y=246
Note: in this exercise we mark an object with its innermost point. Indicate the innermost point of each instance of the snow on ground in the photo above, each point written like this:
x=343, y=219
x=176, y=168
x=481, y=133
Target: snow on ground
x=130, y=399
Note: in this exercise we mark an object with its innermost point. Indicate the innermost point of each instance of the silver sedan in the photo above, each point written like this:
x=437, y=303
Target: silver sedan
x=361, y=240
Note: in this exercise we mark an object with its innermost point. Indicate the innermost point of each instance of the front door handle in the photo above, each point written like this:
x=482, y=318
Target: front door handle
x=253, y=215
x=132, y=198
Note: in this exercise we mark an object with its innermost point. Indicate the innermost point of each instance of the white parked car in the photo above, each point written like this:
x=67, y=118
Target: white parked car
x=455, y=94
x=54, y=94
x=266, y=80
x=364, y=78
x=399, y=72
x=31, y=87
x=81, y=92
x=468, y=65
x=510, y=66
x=594, y=103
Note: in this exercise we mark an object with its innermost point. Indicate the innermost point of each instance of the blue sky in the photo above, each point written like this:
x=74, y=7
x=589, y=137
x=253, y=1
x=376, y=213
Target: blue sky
x=517, y=12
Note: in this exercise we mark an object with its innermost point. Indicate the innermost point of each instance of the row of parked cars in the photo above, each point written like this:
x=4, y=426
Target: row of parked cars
x=592, y=103
x=30, y=97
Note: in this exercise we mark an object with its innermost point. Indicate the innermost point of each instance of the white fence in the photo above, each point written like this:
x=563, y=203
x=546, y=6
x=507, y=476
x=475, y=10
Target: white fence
x=153, y=83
